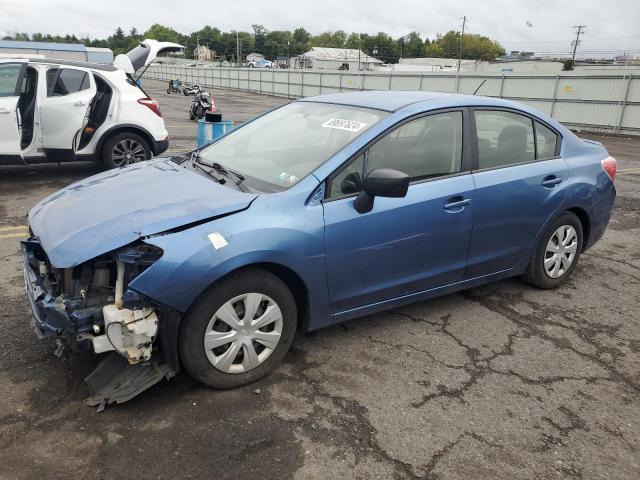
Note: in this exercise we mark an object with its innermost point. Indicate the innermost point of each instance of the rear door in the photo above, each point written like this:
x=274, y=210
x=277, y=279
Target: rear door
x=520, y=183
x=64, y=112
x=11, y=75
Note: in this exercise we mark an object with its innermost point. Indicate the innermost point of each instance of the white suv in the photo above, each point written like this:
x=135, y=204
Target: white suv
x=54, y=110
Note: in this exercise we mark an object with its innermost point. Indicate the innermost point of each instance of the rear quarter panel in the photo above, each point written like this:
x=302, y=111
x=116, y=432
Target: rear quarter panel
x=590, y=188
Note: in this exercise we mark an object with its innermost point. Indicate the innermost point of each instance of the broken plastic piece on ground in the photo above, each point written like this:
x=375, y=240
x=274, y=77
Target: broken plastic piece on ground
x=116, y=381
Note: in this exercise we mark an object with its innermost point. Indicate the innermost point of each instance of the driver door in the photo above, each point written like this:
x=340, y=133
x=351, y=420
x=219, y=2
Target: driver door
x=11, y=75
x=403, y=245
x=64, y=113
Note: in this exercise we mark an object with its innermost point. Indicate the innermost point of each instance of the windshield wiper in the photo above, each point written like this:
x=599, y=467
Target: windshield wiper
x=197, y=163
x=228, y=173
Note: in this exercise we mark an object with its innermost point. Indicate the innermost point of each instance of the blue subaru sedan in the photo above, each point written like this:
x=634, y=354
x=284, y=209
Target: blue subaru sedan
x=323, y=210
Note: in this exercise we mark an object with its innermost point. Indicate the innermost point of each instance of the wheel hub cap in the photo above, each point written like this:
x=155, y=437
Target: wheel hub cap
x=243, y=333
x=560, y=251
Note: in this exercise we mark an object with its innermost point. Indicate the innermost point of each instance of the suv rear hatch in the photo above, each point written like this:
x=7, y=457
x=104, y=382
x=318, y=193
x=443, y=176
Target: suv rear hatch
x=142, y=55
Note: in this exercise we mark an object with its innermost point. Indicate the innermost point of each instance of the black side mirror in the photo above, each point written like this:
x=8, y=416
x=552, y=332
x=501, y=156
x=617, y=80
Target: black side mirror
x=382, y=182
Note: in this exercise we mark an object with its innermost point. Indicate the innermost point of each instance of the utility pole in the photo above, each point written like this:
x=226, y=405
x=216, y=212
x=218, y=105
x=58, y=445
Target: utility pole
x=198, y=45
x=237, y=48
x=464, y=22
x=576, y=42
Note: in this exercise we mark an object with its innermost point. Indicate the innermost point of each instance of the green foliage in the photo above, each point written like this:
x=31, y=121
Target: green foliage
x=568, y=65
x=474, y=47
x=281, y=43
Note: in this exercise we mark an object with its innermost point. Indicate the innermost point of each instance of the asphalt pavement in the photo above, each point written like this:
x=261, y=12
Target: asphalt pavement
x=502, y=381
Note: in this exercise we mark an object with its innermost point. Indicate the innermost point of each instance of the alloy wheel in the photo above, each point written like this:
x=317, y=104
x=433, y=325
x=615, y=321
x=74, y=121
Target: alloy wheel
x=560, y=251
x=127, y=151
x=243, y=333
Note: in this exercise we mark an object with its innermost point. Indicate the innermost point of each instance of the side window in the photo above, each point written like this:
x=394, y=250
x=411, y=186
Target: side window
x=504, y=138
x=424, y=148
x=65, y=81
x=9, y=76
x=349, y=180
x=546, y=140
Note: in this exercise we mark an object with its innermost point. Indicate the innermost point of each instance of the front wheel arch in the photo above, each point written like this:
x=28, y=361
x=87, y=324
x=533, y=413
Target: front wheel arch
x=290, y=278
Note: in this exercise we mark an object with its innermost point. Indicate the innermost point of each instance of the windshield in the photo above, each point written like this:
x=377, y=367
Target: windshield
x=278, y=149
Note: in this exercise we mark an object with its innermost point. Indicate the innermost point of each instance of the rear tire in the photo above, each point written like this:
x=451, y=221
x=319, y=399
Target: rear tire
x=556, y=254
x=124, y=149
x=240, y=358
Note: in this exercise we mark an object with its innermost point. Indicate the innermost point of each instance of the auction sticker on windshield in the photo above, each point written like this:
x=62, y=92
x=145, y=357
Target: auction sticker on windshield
x=348, y=125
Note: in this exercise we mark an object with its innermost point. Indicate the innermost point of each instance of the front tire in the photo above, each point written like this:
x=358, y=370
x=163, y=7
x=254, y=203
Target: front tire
x=124, y=149
x=239, y=329
x=557, y=252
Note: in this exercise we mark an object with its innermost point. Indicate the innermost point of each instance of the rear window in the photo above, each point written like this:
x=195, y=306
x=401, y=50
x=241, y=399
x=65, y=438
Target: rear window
x=546, y=140
x=65, y=81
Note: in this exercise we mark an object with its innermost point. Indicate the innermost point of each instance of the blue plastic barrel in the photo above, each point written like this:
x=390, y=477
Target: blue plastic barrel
x=209, y=131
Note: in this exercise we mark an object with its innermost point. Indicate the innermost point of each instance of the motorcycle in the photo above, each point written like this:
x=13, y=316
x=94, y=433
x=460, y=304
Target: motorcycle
x=175, y=86
x=191, y=89
x=201, y=104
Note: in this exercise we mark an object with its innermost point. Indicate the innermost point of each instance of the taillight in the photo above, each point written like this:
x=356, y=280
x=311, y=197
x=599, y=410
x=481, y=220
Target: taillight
x=151, y=104
x=609, y=165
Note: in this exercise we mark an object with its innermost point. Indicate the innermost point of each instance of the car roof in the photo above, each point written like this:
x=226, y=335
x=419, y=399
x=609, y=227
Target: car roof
x=95, y=66
x=389, y=101
x=53, y=61
x=394, y=100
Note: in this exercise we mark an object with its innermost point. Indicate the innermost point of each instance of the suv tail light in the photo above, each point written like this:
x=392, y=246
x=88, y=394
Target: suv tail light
x=609, y=165
x=151, y=104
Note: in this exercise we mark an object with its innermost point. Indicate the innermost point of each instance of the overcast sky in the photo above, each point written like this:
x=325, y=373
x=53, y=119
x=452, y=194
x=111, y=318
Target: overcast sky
x=612, y=25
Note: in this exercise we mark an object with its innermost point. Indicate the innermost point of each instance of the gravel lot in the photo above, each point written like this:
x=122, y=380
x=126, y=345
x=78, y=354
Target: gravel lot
x=502, y=381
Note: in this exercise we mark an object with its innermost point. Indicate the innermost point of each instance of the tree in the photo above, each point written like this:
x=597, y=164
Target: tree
x=474, y=47
x=278, y=43
x=301, y=40
x=259, y=37
x=411, y=45
x=163, y=34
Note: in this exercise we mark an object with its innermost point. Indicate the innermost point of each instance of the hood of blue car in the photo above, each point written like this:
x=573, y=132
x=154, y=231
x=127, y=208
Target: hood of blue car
x=117, y=207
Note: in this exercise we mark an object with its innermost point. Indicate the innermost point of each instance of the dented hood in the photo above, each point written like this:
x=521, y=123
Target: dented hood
x=114, y=208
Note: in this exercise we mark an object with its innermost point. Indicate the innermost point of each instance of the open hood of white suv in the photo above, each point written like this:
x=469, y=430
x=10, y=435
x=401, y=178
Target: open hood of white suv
x=144, y=54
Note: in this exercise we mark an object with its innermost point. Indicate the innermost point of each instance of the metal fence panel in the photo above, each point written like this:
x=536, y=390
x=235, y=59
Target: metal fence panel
x=608, y=102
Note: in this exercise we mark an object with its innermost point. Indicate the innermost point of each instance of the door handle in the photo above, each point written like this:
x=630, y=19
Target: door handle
x=5, y=110
x=79, y=103
x=459, y=204
x=551, y=182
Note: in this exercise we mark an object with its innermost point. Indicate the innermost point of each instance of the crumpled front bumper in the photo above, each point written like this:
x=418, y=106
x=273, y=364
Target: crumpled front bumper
x=51, y=315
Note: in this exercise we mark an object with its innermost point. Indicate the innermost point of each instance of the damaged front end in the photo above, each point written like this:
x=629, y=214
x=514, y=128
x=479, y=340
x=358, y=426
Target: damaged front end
x=90, y=307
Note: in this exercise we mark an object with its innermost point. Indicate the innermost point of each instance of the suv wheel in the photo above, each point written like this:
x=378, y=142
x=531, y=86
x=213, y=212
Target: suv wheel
x=239, y=329
x=557, y=252
x=124, y=149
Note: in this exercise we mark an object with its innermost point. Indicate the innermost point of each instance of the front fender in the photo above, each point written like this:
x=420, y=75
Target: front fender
x=191, y=262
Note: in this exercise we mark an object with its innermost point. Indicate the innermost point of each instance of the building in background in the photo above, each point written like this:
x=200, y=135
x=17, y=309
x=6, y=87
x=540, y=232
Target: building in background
x=254, y=57
x=99, y=55
x=435, y=65
x=204, y=53
x=60, y=51
x=336, y=59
